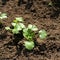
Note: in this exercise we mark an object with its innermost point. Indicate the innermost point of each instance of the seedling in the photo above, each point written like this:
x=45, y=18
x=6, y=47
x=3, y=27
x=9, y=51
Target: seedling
x=42, y=34
x=17, y=25
x=28, y=32
x=29, y=45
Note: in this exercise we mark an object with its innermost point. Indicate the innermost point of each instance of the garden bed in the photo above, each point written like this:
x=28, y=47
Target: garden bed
x=36, y=12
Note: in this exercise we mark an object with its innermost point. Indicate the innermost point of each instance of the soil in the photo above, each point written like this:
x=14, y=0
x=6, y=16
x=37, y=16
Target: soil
x=36, y=12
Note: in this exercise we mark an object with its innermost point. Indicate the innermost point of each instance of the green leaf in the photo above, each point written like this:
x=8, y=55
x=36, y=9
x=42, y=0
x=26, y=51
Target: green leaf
x=22, y=25
x=28, y=34
x=42, y=34
x=32, y=27
x=20, y=19
x=13, y=24
x=29, y=45
x=17, y=27
x=3, y=15
x=15, y=31
x=7, y=28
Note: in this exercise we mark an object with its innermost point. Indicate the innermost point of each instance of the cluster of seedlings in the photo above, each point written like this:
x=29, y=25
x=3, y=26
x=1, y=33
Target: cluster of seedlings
x=28, y=32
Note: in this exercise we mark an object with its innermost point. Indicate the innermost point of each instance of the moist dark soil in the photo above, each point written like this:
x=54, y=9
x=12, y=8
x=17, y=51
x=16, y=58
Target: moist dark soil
x=36, y=12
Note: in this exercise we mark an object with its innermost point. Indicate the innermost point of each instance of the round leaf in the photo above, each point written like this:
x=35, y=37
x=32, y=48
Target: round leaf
x=29, y=45
x=42, y=34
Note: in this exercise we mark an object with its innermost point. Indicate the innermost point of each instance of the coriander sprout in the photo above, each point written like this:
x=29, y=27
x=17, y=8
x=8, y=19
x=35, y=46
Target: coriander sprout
x=42, y=34
x=28, y=34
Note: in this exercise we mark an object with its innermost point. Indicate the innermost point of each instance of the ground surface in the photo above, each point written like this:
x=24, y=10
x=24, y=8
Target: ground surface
x=39, y=13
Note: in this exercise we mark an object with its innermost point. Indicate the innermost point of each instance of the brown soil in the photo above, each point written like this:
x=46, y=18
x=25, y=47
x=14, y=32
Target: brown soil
x=35, y=12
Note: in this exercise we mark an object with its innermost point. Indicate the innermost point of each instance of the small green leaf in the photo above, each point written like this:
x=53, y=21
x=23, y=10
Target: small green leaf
x=22, y=25
x=3, y=15
x=20, y=19
x=13, y=24
x=15, y=31
x=32, y=27
x=29, y=45
x=7, y=28
x=42, y=34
